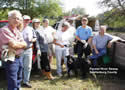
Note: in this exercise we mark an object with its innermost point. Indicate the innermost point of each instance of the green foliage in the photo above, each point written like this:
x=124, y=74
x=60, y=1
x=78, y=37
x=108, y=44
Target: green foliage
x=78, y=11
x=113, y=18
x=49, y=8
x=3, y=14
x=34, y=8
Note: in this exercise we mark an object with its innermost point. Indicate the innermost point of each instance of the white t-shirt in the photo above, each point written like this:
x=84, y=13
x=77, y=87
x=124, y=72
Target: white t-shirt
x=62, y=38
x=49, y=31
x=71, y=32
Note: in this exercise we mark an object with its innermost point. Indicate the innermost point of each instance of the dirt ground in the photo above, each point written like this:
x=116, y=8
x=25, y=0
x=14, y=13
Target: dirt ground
x=92, y=82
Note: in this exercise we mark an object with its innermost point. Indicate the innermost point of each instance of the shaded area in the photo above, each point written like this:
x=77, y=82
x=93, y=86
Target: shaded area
x=93, y=82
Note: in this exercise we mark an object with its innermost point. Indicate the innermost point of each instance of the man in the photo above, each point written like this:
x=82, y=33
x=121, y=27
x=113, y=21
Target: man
x=84, y=38
x=29, y=37
x=71, y=30
x=100, y=43
x=49, y=32
x=60, y=41
x=12, y=37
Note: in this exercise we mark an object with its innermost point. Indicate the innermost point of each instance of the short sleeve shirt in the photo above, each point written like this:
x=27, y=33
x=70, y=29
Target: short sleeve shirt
x=7, y=35
x=101, y=42
x=84, y=33
x=49, y=33
x=62, y=38
x=28, y=35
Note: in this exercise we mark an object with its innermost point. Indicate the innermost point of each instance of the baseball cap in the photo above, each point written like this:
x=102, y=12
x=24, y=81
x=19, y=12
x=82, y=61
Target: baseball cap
x=26, y=17
x=35, y=20
x=65, y=24
x=45, y=20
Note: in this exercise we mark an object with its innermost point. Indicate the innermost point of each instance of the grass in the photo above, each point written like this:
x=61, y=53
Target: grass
x=39, y=82
x=93, y=82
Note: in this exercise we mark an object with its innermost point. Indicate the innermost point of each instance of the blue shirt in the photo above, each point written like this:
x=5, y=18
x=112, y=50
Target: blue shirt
x=84, y=33
x=101, y=41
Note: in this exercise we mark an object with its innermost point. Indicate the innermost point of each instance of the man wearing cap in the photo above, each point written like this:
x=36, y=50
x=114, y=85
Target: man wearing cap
x=49, y=31
x=30, y=37
x=11, y=37
x=61, y=39
x=83, y=36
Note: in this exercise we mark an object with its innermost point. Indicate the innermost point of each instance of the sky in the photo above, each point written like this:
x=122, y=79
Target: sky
x=90, y=6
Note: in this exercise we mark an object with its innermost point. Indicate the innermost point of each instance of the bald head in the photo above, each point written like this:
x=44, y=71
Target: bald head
x=102, y=29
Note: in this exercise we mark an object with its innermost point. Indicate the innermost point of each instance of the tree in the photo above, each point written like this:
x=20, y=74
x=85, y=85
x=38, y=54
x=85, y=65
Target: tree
x=78, y=11
x=34, y=8
x=113, y=4
x=115, y=16
x=112, y=18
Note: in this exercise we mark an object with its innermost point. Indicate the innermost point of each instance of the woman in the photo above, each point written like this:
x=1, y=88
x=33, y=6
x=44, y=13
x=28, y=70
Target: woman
x=42, y=48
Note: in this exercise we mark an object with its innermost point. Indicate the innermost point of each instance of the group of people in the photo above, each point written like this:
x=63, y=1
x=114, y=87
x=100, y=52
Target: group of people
x=20, y=37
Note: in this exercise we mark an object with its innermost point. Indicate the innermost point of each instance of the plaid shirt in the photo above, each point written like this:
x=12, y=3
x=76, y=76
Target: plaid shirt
x=7, y=35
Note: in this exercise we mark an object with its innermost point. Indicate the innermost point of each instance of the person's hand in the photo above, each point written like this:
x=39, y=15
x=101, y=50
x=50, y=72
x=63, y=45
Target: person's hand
x=62, y=46
x=109, y=45
x=96, y=51
x=38, y=53
x=34, y=40
x=83, y=41
x=85, y=46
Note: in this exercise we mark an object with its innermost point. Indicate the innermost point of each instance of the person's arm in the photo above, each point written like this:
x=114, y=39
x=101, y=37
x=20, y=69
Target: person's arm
x=77, y=38
x=112, y=41
x=8, y=39
x=89, y=40
x=58, y=43
x=33, y=40
x=96, y=51
x=37, y=41
x=91, y=35
x=77, y=35
x=17, y=45
x=94, y=42
x=34, y=37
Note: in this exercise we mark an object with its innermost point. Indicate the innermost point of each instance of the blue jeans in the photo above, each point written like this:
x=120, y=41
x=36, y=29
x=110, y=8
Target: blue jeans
x=60, y=53
x=14, y=73
x=94, y=57
x=27, y=64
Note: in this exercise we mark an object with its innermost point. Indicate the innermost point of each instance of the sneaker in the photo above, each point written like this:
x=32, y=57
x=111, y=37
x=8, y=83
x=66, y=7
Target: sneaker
x=27, y=85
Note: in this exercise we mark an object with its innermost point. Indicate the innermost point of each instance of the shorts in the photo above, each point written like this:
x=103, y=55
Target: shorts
x=51, y=49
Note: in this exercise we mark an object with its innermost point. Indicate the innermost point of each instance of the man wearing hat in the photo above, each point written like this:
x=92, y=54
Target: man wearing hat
x=30, y=37
x=84, y=38
x=60, y=41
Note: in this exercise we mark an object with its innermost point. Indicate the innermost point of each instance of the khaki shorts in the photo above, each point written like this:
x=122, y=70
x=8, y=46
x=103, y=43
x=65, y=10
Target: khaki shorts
x=51, y=49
